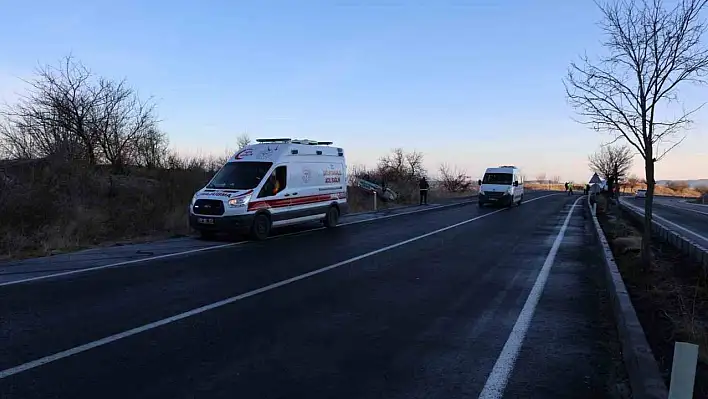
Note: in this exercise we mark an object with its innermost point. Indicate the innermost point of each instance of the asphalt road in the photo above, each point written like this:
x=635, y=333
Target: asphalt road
x=690, y=220
x=457, y=302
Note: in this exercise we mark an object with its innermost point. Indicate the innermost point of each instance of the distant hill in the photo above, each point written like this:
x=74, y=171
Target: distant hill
x=691, y=183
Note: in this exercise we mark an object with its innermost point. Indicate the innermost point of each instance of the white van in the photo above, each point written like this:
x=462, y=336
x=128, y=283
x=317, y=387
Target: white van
x=503, y=186
x=275, y=182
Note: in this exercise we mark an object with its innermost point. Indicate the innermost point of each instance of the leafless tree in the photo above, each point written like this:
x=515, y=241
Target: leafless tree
x=652, y=51
x=632, y=182
x=454, y=180
x=70, y=113
x=556, y=179
x=242, y=141
x=541, y=177
x=120, y=121
x=612, y=163
x=52, y=118
x=151, y=149
x=401, y=166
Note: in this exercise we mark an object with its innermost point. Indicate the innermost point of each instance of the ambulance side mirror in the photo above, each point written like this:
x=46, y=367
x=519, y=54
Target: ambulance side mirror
x=479, y=182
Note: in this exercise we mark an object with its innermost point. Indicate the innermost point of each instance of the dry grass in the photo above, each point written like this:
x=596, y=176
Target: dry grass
x=671, y=300
x=50, y=208
x=47, y=208
x=549, y=187
x=659, y=190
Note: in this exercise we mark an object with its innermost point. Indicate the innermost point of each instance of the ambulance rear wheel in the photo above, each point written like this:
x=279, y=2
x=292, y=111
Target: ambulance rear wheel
x=332, y=217
x=260, y=230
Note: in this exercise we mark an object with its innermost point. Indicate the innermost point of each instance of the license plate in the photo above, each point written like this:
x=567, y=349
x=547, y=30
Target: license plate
x=492, y=199
x=205, y=220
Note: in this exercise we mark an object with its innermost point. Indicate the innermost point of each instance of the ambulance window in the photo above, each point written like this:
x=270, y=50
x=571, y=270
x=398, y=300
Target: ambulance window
x=276, y=182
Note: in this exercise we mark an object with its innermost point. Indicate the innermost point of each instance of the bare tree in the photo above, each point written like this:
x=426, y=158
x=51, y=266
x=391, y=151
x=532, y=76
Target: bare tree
x=612, y=163
x=120, y=120
x=401, y=166
x=652, y=51
x=70, y=113
x=454, y=180
x=242, y=141
x=151, y=149
x=556, y=179
x=632, y=182
x=541, y=177
x=414, y=161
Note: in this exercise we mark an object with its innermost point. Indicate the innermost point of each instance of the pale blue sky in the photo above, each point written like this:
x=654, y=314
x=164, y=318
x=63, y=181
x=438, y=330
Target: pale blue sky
x=471, y=83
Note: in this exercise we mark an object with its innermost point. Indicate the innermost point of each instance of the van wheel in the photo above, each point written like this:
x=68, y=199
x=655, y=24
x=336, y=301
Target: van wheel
x=520, y=200
x=332, y=217
x=260, y=229
x=479, y=204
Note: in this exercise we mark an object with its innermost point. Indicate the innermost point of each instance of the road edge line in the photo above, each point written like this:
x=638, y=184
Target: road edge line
x=498, y=378
x=221, y=246
x=644, y=377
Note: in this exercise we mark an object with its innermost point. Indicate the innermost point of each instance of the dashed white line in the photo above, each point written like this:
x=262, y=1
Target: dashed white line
x=499, y=377
x=125, y=334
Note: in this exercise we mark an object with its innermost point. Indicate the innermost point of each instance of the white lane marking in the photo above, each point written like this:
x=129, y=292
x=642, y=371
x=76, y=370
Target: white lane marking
x=118, y=264
x=151, y=258
x=499, y=377
x=678, y=226
x=191, y=251
x=684, y=208
x=125, y=334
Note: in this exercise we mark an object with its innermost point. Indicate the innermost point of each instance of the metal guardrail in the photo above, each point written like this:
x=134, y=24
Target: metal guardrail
x=684, y=244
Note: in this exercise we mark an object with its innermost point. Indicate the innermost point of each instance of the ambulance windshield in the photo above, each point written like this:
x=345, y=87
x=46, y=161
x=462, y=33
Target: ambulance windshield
x=240, y=175
x=497, y=178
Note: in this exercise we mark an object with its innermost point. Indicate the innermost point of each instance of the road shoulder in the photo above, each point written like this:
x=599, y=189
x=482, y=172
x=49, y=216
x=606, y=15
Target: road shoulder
x=572, y=337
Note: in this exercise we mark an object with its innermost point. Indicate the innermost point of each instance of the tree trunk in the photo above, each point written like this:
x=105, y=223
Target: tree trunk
x=648, y=208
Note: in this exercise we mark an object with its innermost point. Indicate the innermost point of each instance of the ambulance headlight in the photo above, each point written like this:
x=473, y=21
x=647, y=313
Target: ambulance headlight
x=239, y=201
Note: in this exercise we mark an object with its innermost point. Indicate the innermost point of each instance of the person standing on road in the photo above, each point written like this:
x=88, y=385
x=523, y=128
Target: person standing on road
x=424, y=186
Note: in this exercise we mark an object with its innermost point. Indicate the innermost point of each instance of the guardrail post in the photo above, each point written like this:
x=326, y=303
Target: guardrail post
x=683, y=371
x=375, y=200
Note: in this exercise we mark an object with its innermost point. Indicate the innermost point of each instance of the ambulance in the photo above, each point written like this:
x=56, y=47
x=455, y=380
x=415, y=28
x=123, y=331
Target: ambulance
x=275, y=182
x=501, y=186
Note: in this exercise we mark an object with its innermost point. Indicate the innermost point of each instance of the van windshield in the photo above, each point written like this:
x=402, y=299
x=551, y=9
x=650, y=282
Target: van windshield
x=240, y=175
x=497, y=178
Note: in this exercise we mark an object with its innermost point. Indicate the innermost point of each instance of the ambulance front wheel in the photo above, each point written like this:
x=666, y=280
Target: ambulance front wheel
x=260, y=230
x=332, y=217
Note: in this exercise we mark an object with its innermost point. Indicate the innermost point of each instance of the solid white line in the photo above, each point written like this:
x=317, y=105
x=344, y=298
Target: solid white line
x=151, y=258
x=124, y=263
x=191, y=251
x=125, y=334
x=499, y=377
x=684, y=208
x=678, y=226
